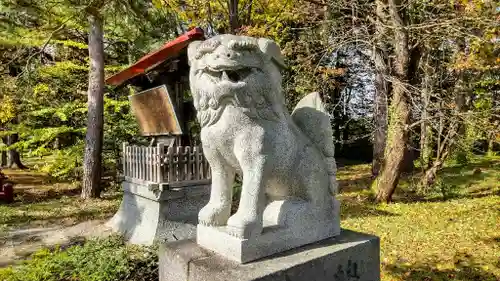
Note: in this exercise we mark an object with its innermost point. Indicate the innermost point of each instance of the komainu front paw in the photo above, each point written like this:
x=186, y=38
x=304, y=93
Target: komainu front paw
x=244, y=226
x=214, y=214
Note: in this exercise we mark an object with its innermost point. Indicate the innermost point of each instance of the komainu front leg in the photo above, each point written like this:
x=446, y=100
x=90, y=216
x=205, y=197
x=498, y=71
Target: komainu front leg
x=248, y=220
x=218, y=209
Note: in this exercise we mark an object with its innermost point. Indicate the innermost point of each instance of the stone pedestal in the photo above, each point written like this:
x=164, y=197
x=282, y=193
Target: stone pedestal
x=287, y=225
x=149, y=213
x=347, y=257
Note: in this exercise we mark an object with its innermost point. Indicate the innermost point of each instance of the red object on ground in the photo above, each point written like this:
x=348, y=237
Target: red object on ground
x=6, y=189
x=146, y=63
x=7, y=193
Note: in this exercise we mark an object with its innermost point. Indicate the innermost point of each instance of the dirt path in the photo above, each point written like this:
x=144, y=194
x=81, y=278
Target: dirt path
x=17, y=245
x=46, y=214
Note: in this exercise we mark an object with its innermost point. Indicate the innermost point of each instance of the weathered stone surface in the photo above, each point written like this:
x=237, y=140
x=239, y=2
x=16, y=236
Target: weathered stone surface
x=146, y=215
x=246, y=129
x=351, y=256
x=279, y=233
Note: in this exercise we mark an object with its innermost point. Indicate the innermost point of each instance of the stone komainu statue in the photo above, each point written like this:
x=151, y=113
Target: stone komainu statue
x=286, y=160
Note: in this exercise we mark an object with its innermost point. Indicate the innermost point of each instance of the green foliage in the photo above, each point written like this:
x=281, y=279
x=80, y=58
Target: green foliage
x=103, y=259
x=44, y=76
x=67, y=162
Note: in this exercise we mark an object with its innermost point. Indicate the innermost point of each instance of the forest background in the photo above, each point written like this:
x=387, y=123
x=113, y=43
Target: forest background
x=409, y=84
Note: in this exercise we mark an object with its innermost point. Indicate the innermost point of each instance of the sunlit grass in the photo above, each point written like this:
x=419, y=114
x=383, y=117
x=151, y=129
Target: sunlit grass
x=452, y=236
x=39, y=201
x=452, y=233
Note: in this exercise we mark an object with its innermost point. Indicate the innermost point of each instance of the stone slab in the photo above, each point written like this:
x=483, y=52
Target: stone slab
x=274, y=239
x=347, y=257
x=146, y=215
x=287, y=225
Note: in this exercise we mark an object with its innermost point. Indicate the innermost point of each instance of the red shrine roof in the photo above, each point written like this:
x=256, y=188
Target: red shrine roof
x=149, y=61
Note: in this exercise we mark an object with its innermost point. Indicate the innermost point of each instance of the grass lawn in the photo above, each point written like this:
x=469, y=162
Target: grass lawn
x=450, y=234
x=40, y=203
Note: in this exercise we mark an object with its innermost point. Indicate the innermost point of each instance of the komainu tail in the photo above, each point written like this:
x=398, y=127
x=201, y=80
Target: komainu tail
x=312, y=119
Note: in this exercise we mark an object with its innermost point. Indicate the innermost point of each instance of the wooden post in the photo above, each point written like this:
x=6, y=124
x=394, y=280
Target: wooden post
x=132, y=161
x=124, y=159
x=150, y=164
x=178, y=166
x=143, y=163
x=134, y=155
x=171, y=166
x=189, y=163
x=160, y=151
x=197, y=163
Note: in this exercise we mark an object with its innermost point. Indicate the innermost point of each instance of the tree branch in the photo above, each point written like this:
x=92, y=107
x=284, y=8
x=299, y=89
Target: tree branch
x=316, y=2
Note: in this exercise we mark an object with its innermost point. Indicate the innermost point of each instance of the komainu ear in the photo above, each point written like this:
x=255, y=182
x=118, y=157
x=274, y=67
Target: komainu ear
x=270, y=48
x=193, y=50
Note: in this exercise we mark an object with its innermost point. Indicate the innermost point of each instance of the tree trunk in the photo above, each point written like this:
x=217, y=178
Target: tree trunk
x=425, y=128
x=3, y=159
x=93, y=139
x=491, y=144
x=461, y=108
x=233, y=16
x=443, y=151
x=408, y=163
x=430, y=174
x=14, y=156
x=397, y=138
x=381, y=94
x=3, y=154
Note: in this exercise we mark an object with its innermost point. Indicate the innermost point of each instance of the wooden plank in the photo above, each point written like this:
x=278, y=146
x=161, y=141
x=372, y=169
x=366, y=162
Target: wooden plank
x=136, y=162
x=183, y=164
x=139, y=162
x=178, y=162
x=189, y=163
x=171, y=164
x=143, y=163
x=151, y=164
x=197, y=163
x=160, y=150
x=134, y=172
x=129, y=162
x=124, y=158
x=155, y=112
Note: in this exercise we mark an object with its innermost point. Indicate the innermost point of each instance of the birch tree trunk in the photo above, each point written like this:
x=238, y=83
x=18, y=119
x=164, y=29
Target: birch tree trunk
x=95, y=119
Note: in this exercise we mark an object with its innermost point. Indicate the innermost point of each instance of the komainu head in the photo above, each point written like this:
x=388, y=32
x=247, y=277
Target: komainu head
x=238, y=70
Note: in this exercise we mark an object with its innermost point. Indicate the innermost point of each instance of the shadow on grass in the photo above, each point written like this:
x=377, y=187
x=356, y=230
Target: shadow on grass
x=465, y=269
x=362, y=182
x=29, y=197
x=362, y=210
x=23, y=256
x=75, y=216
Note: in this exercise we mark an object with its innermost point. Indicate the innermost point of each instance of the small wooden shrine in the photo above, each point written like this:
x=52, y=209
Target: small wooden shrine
x=163, y=112
x=162, y=77
x=166, y=183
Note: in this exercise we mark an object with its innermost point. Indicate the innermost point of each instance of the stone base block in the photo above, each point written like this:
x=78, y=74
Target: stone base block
x=147, y=215
x=349, y=256
x=287, y=225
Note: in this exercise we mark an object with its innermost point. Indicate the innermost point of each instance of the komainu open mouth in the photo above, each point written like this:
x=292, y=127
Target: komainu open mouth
x=231, y=75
